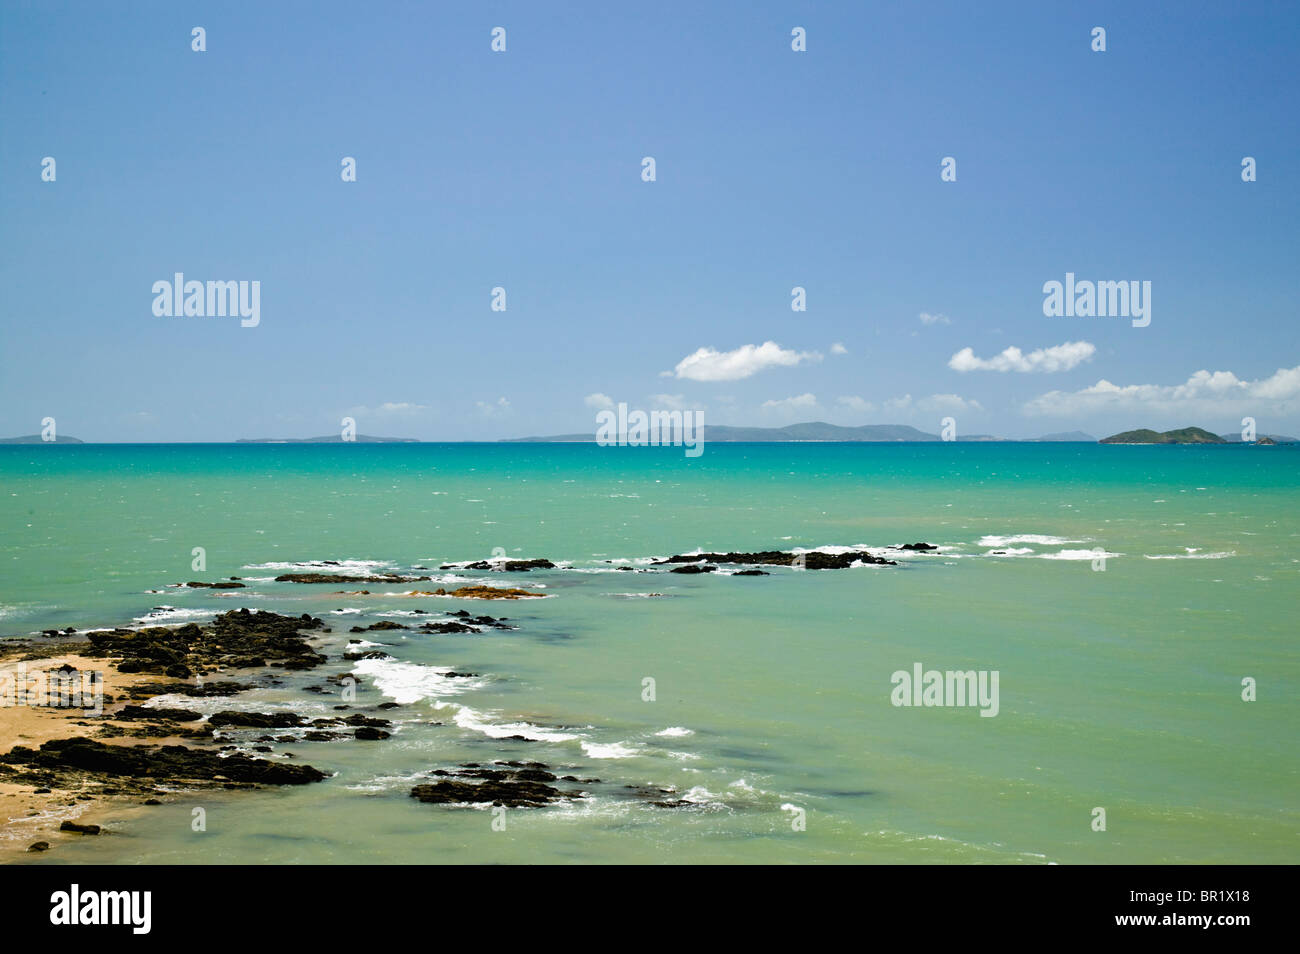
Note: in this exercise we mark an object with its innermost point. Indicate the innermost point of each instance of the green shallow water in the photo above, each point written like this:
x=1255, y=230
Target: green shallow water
x=1118, y=689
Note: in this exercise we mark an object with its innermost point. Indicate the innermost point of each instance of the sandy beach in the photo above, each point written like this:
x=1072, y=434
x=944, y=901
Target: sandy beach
x=28, y=815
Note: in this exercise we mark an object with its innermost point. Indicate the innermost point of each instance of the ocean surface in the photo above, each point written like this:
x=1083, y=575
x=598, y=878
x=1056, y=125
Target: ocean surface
x=1119, y=688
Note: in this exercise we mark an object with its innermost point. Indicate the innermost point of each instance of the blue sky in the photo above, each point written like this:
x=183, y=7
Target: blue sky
x=522, y=169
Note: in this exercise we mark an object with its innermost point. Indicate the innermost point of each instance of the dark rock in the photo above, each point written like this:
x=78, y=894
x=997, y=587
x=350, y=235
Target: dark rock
x=118, y=764
x=39, y=846
x=132, y=713
x=815, y=560
x=693, y=568
x=448, y=627
x=916, y=547
x=511, y=793
x=223, y=585
x=339, y=578
x=79, y=829
x=256, y=720
x=236, y=638
x=506, y=566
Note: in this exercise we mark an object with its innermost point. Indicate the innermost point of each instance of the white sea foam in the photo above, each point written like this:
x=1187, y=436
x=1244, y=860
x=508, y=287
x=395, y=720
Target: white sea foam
x=477, y=721
x=1041, y=539
x=1190, y=555
x=1011, y=551
x=608, y=750
x=333, y=566
x=1078, y=555
x=699, y=795
x=170, y=614
x=410, y=682
x=675, y=731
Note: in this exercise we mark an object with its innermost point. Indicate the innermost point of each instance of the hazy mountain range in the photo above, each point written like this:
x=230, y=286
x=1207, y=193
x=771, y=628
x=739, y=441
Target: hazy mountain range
x=809, y=431
x=818, y=431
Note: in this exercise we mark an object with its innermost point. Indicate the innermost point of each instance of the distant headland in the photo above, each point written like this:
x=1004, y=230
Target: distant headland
x=37, y=439
x=1190, y=435
x=815, y=431
x=328, y=439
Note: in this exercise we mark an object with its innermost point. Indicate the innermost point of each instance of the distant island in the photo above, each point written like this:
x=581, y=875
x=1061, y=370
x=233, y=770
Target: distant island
x=812, y=431
x=37, y=439
x=1184, y=435
x=1262, y=439
x=328, y=439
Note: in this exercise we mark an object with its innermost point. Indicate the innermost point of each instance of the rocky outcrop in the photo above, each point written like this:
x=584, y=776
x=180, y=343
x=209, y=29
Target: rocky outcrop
x=238, y=639
x=341, y=578
x=811, y=560
x=70, y=763
x=481, y=593
x=255, y=720
x=504, y=566
x=518, y=785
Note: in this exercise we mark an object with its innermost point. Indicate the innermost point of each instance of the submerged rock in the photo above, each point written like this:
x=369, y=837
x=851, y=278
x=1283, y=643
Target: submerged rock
x=916, y=547
x=693, y=568
x=220, y=585
x=480, y=593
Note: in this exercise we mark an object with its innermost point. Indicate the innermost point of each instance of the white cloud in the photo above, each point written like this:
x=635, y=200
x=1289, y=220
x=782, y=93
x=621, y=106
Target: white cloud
x=709, y=364
x=935, y=403
x=839, y=348
x=673, y=402
x=799, y=402
x=500, y=406
x=392, y=408
x=1060, y=357
x=929, y=319
x=855, y=403
x=1204, y=393
x=600, y=402
x=943, y=403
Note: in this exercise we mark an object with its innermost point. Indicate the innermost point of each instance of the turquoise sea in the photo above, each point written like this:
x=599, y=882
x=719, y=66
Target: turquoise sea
x=1120, y=688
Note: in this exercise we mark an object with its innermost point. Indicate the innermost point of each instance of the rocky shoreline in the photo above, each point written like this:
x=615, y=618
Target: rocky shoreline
x=57, y=764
